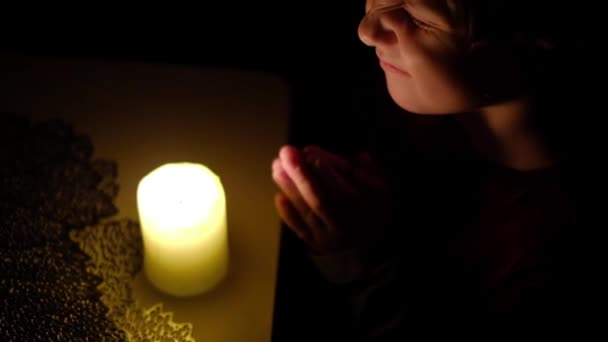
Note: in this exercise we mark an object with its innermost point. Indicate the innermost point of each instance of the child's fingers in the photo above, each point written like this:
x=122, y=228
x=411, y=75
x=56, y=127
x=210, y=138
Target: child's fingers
x=364, y=172
x=342, y=175
x=313, y=235
x=289, y=214
x=289, y=189
x=340, y=186
x=342, y=165
x=307, y=186
x=286, y=185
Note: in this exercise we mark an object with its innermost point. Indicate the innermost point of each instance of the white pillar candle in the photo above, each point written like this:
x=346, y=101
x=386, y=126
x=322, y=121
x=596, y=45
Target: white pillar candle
x=182, y=212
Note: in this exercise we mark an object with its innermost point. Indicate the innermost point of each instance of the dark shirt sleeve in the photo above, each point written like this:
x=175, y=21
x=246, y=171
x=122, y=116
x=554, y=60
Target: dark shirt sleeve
x=370, y=286
x=521, y=282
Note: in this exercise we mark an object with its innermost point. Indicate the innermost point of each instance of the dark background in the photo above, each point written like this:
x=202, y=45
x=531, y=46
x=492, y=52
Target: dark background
x=313, y=46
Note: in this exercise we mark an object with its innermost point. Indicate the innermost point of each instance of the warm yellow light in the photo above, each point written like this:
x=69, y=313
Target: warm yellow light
x=182, y=211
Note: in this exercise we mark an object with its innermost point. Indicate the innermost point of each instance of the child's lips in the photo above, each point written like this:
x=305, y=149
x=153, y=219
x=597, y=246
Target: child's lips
x=390, y=67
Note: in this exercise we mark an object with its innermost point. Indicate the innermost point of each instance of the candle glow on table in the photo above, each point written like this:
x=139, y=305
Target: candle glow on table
x=182, y=212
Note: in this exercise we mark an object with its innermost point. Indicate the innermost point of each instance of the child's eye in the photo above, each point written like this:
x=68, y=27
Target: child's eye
x=419, y=23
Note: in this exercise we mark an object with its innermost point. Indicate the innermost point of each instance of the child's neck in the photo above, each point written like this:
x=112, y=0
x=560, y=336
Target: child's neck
x=502, y=133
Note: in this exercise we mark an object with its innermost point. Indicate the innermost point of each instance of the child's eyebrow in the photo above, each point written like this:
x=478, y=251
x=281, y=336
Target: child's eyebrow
x=435, y=11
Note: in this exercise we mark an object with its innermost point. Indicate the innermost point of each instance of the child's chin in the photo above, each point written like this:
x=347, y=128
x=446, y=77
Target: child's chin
x=418, y=109
x=422, y=109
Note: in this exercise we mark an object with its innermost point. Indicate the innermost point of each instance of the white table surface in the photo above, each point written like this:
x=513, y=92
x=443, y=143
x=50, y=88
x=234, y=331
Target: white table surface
x=143, y=115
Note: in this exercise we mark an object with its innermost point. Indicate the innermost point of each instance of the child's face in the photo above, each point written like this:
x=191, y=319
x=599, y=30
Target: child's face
x=418, y=50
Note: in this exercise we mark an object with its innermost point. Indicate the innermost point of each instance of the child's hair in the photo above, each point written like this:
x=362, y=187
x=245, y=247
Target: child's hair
x=544, y=39
x=535, y=32
x=547, y=39
x=538, y=23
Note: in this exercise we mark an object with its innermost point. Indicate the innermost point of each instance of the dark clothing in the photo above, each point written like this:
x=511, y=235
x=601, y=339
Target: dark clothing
x=475, y=247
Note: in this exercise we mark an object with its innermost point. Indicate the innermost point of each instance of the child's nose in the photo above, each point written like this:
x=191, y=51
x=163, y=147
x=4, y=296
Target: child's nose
x=375, y=28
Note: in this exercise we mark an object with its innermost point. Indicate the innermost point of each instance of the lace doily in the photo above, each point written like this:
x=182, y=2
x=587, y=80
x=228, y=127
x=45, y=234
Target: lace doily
x=66, y=266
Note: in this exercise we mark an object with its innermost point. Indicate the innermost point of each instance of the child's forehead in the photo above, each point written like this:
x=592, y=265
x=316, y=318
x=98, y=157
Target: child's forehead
x=443, y=11
x=441, y=7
